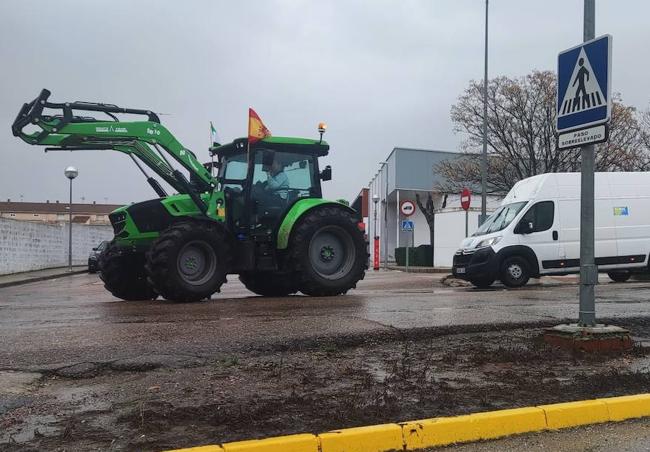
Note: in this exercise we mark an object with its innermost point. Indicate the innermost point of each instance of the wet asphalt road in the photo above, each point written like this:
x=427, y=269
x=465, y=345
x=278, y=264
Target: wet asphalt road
x=74, y=320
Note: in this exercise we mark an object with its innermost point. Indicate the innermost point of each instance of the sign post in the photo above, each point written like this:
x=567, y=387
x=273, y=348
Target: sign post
x=465, y=200
x=583, y=112
x=408, y=226
x=407, y=208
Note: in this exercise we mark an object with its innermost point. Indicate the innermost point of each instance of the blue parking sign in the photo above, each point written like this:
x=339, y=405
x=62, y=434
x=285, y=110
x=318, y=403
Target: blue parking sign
x=584, y=85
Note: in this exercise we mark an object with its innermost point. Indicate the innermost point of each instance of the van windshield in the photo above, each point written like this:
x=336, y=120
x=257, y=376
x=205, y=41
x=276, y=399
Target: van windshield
x=501, y=218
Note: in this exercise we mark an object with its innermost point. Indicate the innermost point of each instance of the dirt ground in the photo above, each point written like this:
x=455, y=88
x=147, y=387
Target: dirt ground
x=169, y=401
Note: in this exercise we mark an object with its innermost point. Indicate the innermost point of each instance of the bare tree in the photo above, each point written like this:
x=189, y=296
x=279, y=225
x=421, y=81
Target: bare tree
x=521, y=135
x=429, y=212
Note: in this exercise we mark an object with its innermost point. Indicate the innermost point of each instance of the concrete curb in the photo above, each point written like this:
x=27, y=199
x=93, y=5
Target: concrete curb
x=41, y=278
x=421, y=269
x=444, y=431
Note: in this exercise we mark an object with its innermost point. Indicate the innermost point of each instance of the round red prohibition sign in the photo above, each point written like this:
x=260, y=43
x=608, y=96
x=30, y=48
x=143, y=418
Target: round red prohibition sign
x=407, y=208
x=465, y=198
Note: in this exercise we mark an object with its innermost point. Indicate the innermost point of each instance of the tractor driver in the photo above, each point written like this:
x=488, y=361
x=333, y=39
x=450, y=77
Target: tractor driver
x=277, y=182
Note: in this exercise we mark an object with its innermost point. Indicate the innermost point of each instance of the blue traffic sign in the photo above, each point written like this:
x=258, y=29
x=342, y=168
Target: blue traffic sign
x=407, y=225
x=584, y=85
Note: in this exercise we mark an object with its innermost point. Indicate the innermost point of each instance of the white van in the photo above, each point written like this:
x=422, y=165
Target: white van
x=536, y=231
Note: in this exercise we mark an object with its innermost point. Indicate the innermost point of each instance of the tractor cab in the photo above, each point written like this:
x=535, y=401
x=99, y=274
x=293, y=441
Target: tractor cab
x=263, y=181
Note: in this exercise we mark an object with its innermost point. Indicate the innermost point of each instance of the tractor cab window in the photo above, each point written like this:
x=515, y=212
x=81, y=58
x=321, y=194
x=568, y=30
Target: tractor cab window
x=285, y=176
x=279, y=179
x=232, y=178
x=233, y=171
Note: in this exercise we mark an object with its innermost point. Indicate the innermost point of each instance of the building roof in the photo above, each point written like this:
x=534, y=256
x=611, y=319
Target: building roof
x=56, y=208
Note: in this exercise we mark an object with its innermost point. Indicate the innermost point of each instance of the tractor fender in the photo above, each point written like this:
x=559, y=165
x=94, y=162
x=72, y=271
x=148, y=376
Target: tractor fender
x=296, y=211
x=523, y=251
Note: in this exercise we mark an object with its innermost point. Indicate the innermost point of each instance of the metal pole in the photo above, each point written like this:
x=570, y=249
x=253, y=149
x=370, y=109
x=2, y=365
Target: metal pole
x=384, y=233
x=398, y=225
x=484, y=156
x=466, y=223
x=407, y=254
x=588, y=269
x=70, y=231
x=375, y=248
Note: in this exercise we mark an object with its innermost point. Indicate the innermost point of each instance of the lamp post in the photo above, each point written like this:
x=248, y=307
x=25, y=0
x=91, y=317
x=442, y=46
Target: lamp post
x=484, y=159
x=385, y=229
x=375, y=253
x=70, y=172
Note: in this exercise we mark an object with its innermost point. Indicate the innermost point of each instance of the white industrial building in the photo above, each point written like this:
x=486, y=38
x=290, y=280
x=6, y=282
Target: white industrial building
x=404, y=173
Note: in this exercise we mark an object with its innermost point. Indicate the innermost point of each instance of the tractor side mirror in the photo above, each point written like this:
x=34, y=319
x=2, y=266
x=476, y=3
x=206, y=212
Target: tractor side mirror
x=95, y=249
x=326, y=174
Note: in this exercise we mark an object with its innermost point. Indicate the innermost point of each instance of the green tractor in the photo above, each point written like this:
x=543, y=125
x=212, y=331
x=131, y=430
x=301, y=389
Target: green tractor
x=280, y=238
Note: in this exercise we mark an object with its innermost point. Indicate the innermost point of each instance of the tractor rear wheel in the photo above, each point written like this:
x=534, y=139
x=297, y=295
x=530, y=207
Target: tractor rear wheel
x=270, y=284
x=123, y=274
x=328, y=252
x=189, y=261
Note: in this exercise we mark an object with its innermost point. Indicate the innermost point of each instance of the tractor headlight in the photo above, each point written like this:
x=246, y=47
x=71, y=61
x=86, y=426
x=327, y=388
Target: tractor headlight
x=488, y=242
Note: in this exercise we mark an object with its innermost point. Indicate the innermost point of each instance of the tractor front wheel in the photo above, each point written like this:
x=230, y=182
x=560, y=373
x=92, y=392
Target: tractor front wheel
x=328, y=252
x=189, y=261
x=123, y=274
x=270, y=284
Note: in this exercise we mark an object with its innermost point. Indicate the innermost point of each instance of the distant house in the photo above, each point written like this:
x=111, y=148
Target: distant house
x=405, y=173
x=57, y=212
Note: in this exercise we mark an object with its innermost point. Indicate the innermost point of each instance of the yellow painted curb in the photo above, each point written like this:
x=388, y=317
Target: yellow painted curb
x=472, y=427
x=415, y=435
x=573, y=414
x=374, y=438
x=201, y=449
x=293, y=443
x=628, y=407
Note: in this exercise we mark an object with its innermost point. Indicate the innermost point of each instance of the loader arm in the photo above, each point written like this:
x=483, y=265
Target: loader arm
x=148, y=140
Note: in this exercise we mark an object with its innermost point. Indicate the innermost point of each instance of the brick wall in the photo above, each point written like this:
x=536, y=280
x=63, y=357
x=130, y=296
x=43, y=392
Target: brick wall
x=26, y=246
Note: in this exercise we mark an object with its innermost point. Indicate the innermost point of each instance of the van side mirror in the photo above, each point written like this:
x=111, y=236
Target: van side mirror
x=326, y=174
x=525, y=227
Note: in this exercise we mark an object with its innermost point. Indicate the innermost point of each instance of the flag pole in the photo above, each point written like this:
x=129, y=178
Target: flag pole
x=210, y=151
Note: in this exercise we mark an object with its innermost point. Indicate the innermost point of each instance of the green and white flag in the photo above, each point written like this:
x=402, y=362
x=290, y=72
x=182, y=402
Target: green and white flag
x=216, y=141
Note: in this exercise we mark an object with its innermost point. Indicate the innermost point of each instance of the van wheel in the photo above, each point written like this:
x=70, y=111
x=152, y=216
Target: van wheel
x=619, y=276
x=482, y=283
x=515, y=272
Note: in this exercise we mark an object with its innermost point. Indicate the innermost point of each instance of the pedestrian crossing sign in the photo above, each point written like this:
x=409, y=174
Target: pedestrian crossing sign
x=407, y=225
x=584, y=85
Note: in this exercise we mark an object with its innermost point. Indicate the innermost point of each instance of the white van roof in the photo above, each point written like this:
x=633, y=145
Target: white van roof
x=567, y=185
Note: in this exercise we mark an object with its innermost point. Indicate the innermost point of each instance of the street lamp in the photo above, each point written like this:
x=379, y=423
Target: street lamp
x=70, y=172
x=484, y=159
x=385, y=230
x=375, y=256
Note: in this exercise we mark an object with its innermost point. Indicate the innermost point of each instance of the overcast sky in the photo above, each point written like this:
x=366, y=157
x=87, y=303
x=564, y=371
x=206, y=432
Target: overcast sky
x=380, y=73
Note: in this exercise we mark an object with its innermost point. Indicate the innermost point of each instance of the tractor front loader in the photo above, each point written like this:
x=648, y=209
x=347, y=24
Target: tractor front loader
x=278, y=239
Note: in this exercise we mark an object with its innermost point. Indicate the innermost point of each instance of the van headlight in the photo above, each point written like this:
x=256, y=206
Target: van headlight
x=488, y=242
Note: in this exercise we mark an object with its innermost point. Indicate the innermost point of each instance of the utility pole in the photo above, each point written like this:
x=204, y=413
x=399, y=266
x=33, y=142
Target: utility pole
x=588, y=269
x=484, y=160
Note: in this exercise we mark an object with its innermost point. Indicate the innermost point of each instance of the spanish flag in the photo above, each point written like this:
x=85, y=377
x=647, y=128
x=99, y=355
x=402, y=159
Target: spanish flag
x=256, y=129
